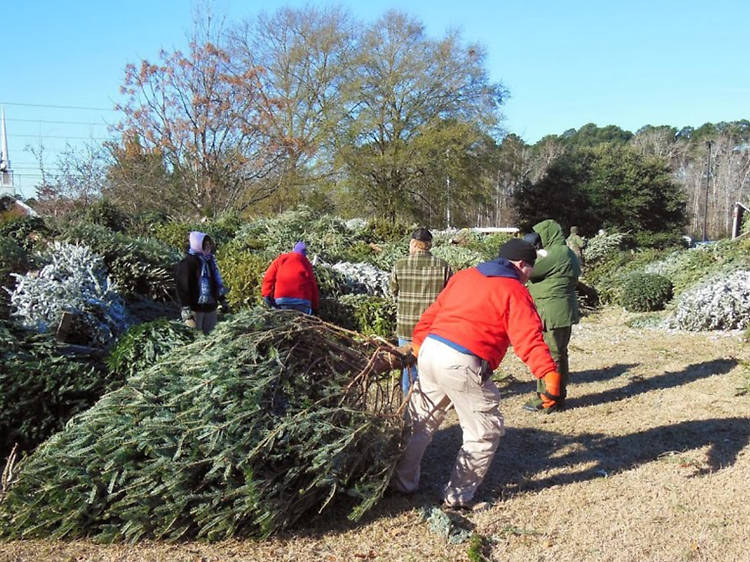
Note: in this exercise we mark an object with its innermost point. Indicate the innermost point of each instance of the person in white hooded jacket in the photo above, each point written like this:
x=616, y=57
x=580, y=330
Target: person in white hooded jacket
x=200, y=288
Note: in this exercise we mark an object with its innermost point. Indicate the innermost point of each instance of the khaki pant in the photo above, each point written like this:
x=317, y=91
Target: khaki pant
x=447, y=376
x=205, y=321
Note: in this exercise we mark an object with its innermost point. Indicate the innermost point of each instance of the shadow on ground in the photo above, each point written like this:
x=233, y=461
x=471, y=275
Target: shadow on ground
x=526, y=452
x=640, y=385
x=528, y=385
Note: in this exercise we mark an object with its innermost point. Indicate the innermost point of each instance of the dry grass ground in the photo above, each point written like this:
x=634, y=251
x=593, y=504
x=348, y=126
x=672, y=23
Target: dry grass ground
x=650, y=462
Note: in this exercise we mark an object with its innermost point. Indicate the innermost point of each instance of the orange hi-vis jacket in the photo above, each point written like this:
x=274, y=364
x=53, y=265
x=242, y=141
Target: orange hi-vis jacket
x=485, y=309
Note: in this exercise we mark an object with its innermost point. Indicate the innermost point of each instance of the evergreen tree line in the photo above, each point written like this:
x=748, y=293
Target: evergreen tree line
x=658, y=180
x=313, y=106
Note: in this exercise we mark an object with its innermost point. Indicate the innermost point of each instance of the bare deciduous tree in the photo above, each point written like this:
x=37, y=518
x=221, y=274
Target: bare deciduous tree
x=209, y=121
x=307, y=56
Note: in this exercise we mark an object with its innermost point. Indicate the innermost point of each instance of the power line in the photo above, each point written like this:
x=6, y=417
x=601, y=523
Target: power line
x=58, y=122
x=19, y=165
x=36, y=170
x=63, y=137
x=58, y=106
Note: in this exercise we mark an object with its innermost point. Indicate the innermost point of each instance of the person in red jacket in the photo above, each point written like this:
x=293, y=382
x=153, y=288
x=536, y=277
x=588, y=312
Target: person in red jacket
x=290, y=282
x=461, y=339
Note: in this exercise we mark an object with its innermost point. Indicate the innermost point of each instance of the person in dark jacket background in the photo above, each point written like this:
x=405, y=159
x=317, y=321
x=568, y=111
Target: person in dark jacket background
x=289, y=282
x=552, y=284
x=200, y=288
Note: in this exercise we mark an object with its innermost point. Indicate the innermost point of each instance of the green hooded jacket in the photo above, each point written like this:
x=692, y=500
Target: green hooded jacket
x=554, y=278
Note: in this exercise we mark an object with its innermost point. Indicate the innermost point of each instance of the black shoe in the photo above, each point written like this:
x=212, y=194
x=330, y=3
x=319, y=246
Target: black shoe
x=559, y=407
x=464, y=508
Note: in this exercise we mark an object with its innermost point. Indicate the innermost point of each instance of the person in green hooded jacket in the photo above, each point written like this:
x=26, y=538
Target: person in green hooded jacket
x=577, y=244
x=552, y=284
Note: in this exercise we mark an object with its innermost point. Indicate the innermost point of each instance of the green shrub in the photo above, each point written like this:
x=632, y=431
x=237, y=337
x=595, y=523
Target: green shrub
x=326, y=236
x=104, y=213
x=458, y=257
x=602, y=246
x=360, y=252
x=13, y=258
x=175, y=234
x=374, y=315
x=660, y=240
x=28, y=232
x=361, y=313
x=334, y=311
x=331, y=283
x=139, y=266
x=490, y=244
x=146, y=221
x=609, y=273
x=42, y=388
x=142, y=345
x=381, y=230
x=242, y=272
x=644, y=292
x=248, y=239
x=388, y=253
x=225, y=227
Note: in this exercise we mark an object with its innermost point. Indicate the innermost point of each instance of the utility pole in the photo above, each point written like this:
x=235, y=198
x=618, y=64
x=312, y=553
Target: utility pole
x=448, y=206
x=708, y=179
x=447, y=190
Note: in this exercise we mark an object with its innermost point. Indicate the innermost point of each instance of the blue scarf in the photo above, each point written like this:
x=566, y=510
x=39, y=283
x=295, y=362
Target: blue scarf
x=209, y=273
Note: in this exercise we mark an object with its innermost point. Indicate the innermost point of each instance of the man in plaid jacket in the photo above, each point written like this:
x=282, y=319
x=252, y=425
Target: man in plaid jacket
x=416, y=281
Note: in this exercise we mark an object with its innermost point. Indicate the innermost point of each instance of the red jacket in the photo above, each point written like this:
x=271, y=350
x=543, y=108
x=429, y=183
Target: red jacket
x=291, y=275
x=486, y=313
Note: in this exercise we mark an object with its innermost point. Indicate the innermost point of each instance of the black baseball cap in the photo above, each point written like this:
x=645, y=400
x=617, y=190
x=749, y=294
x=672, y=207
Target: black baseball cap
x=516, y=249
x=422, y=234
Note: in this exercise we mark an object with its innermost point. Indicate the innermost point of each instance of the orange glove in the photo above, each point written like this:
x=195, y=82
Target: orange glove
x=415, y=348
x=551, y=393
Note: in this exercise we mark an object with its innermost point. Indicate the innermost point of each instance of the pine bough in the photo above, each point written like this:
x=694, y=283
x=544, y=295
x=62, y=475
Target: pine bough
x=272, y=417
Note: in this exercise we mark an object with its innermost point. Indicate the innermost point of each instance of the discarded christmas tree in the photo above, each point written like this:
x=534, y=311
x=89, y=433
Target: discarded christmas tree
x=41, y=387
x=273, y=416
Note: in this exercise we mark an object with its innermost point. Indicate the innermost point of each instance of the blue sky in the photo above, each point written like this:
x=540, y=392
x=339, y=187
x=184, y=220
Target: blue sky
x=565, y=62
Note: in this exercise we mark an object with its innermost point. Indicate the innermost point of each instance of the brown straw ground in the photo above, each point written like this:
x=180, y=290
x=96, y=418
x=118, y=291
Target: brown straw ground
x=650, y=462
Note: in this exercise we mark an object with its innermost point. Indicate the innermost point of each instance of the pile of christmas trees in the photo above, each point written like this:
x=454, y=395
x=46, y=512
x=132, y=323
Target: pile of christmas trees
x=41, y=387
x=273, y=417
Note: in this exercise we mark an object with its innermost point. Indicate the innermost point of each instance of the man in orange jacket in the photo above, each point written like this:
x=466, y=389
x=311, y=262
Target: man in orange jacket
x=461, y=339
